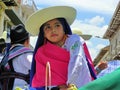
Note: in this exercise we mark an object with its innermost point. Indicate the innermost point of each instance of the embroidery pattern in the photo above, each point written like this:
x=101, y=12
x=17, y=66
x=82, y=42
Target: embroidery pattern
x=75, y=46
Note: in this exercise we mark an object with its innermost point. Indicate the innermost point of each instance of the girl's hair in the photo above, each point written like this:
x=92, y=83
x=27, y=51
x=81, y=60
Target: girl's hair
x=2, y=44
x=40, y=40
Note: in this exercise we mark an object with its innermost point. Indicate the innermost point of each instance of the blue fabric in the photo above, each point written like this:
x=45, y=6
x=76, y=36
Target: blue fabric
x=112, y=65
x=42, y=88
x=32, y=72
x=91, y=70
x=8, y=45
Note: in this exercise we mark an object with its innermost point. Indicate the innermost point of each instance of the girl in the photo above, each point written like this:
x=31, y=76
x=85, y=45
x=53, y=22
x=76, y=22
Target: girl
x=57, y=45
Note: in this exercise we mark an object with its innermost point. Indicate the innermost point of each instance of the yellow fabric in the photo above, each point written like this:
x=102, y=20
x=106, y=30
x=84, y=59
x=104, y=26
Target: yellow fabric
x=18, y=88
x=72, y=87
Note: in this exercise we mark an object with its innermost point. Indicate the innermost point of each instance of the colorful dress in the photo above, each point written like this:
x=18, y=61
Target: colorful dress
x=72, y=68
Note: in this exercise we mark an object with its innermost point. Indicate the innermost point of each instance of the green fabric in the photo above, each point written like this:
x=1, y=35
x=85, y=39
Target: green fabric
x=108, y=82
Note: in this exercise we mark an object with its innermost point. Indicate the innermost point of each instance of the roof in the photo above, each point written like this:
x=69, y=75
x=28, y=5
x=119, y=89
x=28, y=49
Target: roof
x=101, y=54
x=114, y=24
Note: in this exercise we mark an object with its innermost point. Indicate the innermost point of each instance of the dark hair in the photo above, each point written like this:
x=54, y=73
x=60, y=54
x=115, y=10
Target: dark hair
x=18, y=34
x=2, y=45
x=21, y=42
x=66, y=29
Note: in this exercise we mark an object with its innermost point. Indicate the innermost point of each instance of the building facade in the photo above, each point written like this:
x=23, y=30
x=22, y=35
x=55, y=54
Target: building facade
x=113, y=34
x=13, y=12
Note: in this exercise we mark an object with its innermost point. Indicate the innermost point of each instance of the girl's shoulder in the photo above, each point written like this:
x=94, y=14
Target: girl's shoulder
x=73, y=40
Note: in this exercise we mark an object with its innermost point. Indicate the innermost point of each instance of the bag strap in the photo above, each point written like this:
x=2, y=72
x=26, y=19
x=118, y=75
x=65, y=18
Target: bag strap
x=5, y=58
x=14, y=52
x=18, y=50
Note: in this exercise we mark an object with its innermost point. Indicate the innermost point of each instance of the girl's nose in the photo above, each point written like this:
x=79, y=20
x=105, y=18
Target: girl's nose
x=53, y=29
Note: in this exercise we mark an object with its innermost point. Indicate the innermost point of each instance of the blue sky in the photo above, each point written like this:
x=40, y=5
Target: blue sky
x=93, y=17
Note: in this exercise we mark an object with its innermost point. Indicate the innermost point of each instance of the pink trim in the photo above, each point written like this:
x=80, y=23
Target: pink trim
x=89, y=57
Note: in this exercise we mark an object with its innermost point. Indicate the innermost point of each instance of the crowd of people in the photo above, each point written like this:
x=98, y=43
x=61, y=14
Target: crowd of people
x=60, y=59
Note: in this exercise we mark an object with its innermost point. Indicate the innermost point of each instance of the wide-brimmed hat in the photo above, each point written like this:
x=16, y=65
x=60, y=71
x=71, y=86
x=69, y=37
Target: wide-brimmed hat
x=84, y=36
x=34, y=22
x=18, y=33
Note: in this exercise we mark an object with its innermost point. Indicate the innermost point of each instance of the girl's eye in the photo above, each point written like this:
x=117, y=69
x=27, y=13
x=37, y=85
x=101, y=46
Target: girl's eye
x=57, y=25
x=46, y=27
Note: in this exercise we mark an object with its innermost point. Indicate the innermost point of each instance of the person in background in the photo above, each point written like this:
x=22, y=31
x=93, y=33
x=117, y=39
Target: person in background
x=20, y=40
x=84, y=36
x=111, y=66
x=57, y=45
x=20, y=53
x=101, y=66
x=2, y=48
x=2, y=52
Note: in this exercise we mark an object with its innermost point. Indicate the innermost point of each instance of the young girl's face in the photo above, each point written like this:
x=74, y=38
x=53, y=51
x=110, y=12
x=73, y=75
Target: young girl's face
x=53, y=31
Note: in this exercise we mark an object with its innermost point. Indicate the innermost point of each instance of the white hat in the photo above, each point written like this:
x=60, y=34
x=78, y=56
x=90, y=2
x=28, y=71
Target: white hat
x=84, y=36
x=34, y=22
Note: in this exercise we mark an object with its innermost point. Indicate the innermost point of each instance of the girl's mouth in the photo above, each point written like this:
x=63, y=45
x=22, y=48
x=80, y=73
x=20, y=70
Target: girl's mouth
x=53, y=35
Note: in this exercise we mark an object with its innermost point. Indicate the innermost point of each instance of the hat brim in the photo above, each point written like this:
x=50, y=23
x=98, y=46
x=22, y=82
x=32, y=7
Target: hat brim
x=84, y=36
x=34, y=22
